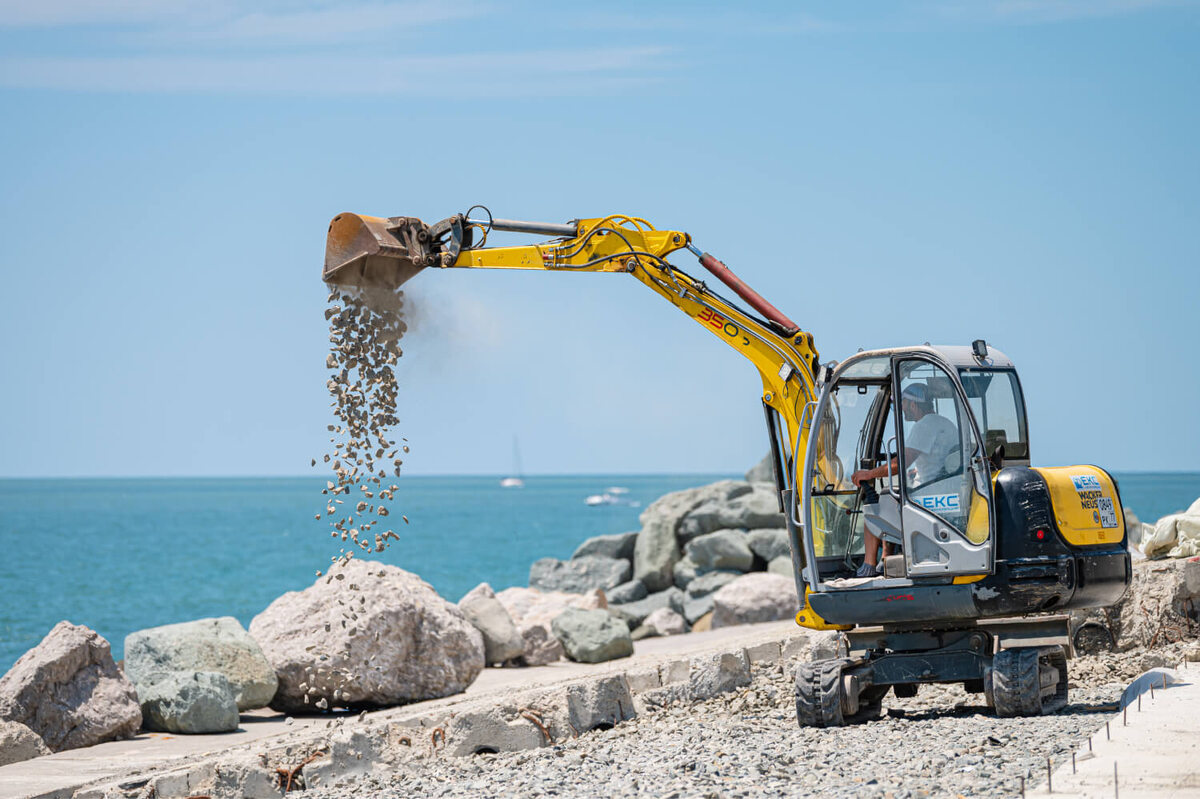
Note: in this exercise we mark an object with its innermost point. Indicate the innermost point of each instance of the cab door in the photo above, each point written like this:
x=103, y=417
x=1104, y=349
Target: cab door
x=946, y=509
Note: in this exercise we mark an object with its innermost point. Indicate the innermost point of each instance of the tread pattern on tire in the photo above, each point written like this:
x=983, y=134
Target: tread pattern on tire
x=819, y=694
x=1016, y=687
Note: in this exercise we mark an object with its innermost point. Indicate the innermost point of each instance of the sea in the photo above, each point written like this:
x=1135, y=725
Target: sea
x=121, y=555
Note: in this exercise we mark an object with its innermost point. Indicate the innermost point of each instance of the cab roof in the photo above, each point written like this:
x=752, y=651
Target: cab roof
x=958, y=356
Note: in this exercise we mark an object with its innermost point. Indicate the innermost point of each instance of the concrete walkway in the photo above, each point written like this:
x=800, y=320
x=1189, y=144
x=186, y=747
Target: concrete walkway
x=59, y=775
x=1150, y=749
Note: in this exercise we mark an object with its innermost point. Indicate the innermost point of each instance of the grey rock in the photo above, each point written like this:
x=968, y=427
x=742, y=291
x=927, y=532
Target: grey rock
x=761, y=472
x=656, y=549
x=539, y=645
x=501, y=639
x=18, y=742
x=631, y=591
x=712, y=581
x=219, y=645
x=723, y=549
x=406, y=644
x=188, y=702
x=782, y=566
x=665, y=621
x=592, y=636
x=578, y=575
x=756, y=508
x=68, y=691
x=684, y=572
x=769, y=543
x=754, y=598
x=634, y=613
x=619, y=545
x=695, y=607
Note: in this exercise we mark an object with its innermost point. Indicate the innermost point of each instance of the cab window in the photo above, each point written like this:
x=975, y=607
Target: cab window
x=995, y=398
x=936, y=440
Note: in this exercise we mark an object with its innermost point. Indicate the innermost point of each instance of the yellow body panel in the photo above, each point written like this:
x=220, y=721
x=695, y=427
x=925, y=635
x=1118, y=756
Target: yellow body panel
x=1085, y=503
x=807, y=617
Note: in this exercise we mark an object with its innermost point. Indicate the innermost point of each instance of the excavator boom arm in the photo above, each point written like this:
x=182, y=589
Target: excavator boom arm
x=371, y=251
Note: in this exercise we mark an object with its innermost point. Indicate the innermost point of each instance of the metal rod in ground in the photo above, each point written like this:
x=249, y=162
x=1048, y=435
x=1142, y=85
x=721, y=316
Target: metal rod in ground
x=1089, y=743
x=1116, y=788
x=1139, y=703
x=1073, y=763
x=1107, y=732
x=1125, y=716
x=1049, y=778
x=1022, y=787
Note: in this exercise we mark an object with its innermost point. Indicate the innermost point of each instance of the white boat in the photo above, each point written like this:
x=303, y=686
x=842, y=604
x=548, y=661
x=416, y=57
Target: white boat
x=515, y=480
x=601, y=499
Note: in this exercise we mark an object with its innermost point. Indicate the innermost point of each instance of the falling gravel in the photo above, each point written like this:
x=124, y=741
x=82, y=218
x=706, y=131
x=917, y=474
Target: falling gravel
x=365, y=328
x=943, y=742
x=364, y=454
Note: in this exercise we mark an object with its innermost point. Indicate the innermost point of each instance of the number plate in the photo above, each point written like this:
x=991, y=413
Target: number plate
x=1108, y=516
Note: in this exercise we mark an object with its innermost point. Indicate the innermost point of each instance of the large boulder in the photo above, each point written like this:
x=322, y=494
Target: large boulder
x=501, y=639
x=366, y=635
x=1161, y=607
x=209, y=645
x=657, y=548
x=188, y=702
x=782, y=565
x=592, y=636
x=634, y=613
x=18, y=742
x=578, y=575
x=756, y=508
x=619, y=545
x=762, y=472
x=753, y=598
x=724, y=549
x=769, y=543
x=67, y=689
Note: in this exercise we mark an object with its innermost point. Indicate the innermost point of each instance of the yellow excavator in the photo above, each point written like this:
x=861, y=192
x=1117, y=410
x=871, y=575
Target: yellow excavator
x=921, y=453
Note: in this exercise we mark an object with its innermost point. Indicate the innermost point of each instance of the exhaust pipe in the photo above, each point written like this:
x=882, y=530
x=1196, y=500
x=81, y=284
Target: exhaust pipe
x=369, y=252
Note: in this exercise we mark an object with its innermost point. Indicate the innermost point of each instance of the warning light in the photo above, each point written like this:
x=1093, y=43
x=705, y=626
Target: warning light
x=1041, y=535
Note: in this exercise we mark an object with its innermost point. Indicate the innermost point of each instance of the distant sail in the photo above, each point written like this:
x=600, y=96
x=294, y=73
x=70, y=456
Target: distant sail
x=515, y=480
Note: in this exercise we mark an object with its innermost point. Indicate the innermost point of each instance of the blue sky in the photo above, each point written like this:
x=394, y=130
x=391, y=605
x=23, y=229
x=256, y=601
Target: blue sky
x=886, y=173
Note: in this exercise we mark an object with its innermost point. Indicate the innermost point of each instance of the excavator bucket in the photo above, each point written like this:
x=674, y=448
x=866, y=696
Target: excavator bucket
x=369, y=252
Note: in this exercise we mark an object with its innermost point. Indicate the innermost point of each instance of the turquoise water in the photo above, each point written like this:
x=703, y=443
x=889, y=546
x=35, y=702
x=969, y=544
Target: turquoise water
x=122, y=554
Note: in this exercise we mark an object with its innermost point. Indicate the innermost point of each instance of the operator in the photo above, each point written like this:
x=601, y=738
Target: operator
x=926, y=445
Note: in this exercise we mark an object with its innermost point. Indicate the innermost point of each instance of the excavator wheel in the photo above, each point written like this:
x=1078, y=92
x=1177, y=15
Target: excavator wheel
x=819, y=694
x=1030, y=681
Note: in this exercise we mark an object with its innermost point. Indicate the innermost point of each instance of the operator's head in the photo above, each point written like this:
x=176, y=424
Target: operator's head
x=915, y=401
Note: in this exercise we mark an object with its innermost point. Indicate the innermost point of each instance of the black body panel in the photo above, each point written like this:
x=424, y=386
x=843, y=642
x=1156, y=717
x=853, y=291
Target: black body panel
x=1032, y=574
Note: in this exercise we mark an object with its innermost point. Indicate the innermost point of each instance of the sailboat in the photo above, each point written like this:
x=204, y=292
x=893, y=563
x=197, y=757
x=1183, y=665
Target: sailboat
x=514, y=481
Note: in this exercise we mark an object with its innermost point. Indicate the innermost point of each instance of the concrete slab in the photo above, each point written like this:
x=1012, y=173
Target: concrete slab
x=59, y=775
x=1148, y=750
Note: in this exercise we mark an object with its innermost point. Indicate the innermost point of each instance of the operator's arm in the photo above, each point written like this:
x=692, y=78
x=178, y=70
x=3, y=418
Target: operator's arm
x=879, y=472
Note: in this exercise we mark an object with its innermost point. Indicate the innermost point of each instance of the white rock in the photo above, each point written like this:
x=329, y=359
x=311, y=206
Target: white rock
x=68, y=691
x=753, y=598
x=406, y=644
x=501, y=639
x=665, y=621
x=18, y=742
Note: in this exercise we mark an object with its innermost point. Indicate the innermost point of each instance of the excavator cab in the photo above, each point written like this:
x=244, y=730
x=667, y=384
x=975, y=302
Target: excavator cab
x=921, y=413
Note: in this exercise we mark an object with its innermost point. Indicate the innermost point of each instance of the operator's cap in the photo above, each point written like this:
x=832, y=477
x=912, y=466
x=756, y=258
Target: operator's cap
x=917, y=392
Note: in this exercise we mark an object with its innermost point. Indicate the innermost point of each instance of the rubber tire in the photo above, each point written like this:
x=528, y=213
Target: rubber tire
x=819, y=694
x=905, y=690
x=1016, y=687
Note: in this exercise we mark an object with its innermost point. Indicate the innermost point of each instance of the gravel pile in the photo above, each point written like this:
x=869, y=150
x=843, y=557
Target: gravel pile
x=943, y=742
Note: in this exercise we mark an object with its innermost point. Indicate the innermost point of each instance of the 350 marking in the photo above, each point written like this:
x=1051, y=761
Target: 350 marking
x=717, y=322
